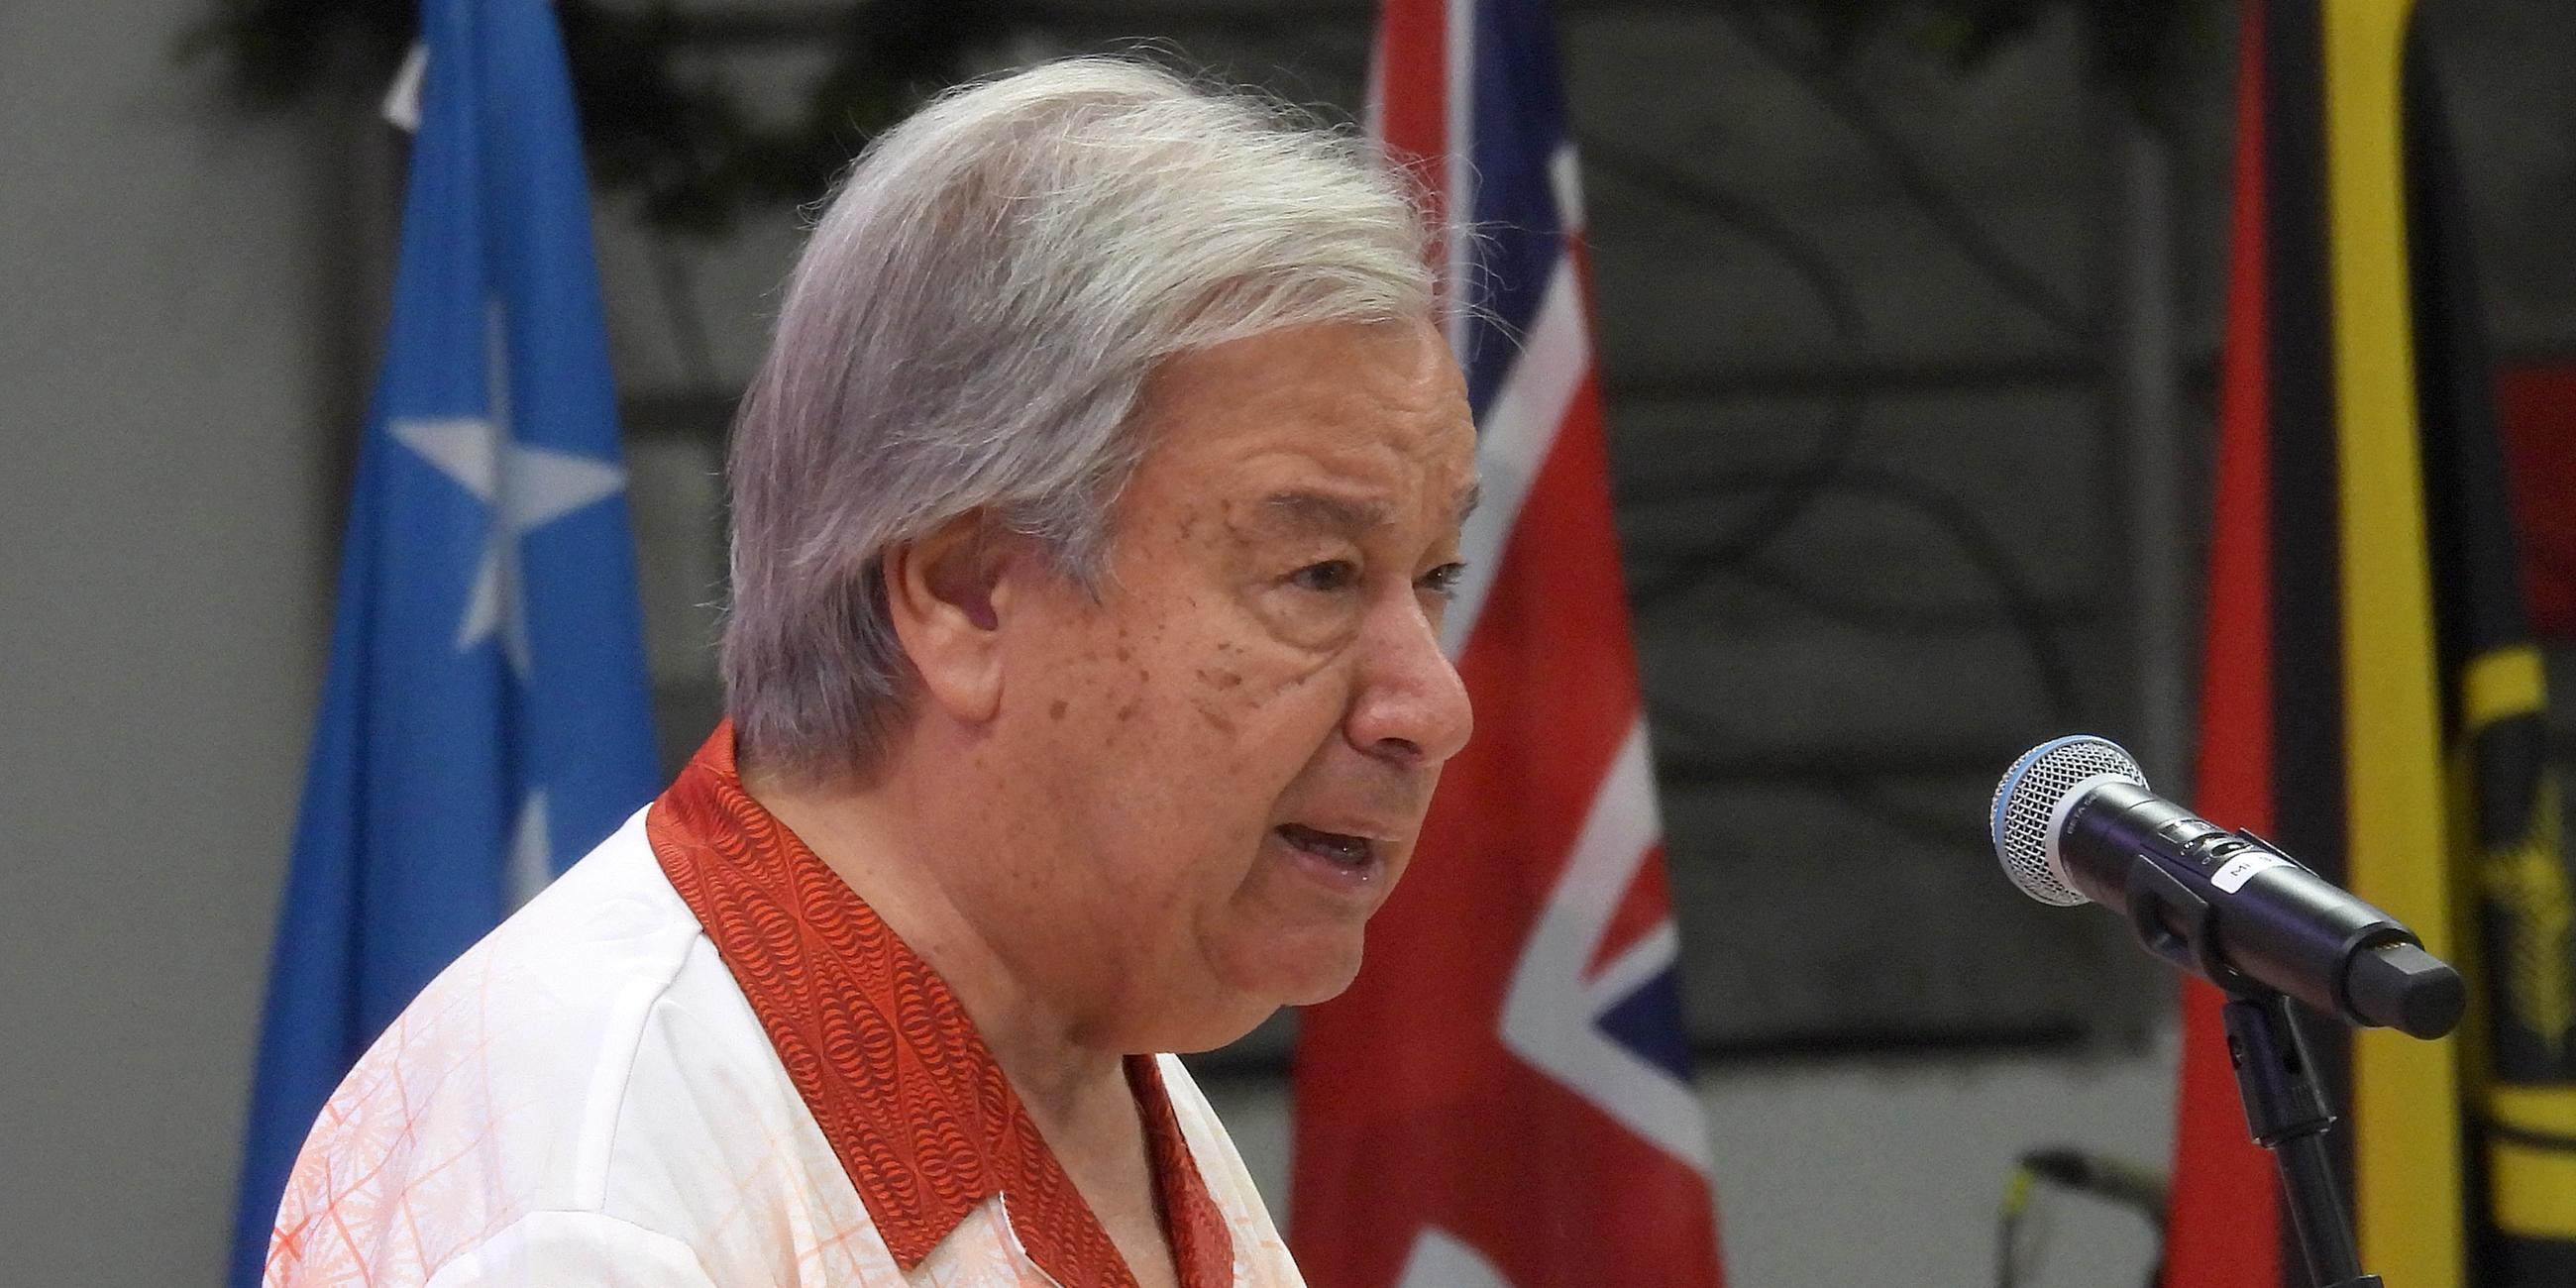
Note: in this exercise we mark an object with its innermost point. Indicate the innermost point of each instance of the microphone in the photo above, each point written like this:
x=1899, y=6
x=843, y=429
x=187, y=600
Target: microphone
x=2074, y=823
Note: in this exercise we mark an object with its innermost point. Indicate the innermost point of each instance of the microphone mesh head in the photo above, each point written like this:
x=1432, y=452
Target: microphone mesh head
x=2026, y=804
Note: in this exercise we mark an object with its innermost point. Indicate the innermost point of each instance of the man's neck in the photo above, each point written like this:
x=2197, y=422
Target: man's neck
x=887, y=852
x=1076, y=1092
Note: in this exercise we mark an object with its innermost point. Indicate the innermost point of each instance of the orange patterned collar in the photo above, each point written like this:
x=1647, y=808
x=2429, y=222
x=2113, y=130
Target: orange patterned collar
x=885, y=1056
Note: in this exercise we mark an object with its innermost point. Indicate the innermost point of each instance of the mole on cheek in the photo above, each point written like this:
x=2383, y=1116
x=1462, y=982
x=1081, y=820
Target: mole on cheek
x=1056, y=711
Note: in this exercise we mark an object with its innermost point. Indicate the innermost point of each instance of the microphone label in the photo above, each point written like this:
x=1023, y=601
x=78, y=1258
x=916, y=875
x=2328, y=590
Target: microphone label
x=2232, y=876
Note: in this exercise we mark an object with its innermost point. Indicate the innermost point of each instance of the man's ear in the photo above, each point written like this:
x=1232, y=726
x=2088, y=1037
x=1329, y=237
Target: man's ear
x=945, y=595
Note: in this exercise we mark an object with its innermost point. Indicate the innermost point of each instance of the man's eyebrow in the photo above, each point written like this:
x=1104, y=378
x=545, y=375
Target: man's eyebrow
x=1468, y=501
x=1327, y=512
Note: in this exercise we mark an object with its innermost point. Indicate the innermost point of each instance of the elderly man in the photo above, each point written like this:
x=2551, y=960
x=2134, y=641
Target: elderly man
x=1092, y=520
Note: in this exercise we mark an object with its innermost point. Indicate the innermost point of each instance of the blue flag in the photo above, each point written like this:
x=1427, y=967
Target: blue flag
x=486, y=716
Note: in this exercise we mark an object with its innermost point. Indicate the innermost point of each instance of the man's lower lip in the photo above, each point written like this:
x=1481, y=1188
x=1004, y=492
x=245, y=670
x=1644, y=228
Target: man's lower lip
x=1365, y=875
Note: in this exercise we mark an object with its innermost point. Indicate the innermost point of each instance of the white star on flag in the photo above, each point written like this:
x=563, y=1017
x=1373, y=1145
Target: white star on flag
x=526, y=489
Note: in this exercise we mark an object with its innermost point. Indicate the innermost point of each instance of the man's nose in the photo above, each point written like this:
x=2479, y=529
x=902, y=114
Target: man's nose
x=1411, y=706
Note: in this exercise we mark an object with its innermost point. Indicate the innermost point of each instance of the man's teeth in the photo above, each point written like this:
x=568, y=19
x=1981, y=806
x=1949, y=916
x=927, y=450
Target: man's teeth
x=1332, y=845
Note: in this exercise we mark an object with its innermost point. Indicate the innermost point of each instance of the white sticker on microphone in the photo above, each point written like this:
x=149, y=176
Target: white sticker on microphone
x=2233, y=875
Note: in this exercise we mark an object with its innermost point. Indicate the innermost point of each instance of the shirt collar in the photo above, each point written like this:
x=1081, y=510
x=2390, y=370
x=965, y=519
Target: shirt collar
x=885, y=1057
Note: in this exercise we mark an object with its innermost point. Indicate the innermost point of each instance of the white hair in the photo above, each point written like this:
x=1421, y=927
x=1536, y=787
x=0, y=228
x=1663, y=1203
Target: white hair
x=968, y=330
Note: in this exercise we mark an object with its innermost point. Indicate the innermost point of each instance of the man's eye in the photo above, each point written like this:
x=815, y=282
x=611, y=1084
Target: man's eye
x=1443, y=580
x=1330, y=575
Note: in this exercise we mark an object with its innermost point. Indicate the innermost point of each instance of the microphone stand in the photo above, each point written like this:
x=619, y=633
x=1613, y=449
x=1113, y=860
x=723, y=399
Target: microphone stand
x=2284, y=1107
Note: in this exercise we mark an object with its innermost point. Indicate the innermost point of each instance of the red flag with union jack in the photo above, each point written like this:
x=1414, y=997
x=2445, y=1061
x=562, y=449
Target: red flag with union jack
x=1504, y=1098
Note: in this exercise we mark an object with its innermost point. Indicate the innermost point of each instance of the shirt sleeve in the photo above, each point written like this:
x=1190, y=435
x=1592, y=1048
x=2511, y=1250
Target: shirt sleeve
x=574, y=1250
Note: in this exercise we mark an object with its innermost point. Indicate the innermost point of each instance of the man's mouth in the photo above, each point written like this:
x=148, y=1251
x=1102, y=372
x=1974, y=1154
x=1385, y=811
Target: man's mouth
x=1337, y=847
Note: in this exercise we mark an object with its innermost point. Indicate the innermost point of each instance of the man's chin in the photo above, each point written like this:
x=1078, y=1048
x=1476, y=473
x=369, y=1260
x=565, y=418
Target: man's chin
x=1318, y=976
x=1324, y=986
x=1313, y=964
x=1213, y=1032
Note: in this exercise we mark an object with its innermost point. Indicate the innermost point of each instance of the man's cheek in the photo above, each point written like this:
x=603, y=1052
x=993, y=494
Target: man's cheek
x=1274, y=668
x=1290, y=722
x=1308, y=704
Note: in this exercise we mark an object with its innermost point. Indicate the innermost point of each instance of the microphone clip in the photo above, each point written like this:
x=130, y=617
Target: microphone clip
x=2172, y=921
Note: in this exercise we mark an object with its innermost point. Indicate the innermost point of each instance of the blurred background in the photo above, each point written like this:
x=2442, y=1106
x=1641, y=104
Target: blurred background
x=1908, y=317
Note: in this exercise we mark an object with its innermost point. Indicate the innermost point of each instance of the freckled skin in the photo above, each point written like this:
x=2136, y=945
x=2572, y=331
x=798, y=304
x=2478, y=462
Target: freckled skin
x=1240, y=668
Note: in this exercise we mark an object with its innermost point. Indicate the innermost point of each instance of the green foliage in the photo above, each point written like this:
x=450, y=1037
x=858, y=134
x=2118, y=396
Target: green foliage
x=682, y=146
x=695, y=160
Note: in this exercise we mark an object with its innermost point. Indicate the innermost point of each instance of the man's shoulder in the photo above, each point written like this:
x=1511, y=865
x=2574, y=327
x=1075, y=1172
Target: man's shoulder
x=560, y=988
x=524, y=1036
x=520, y=1077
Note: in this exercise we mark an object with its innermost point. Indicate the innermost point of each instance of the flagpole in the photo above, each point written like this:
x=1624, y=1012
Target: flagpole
x=2144, y=359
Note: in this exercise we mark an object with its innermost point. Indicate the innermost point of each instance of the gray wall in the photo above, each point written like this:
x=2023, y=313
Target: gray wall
x=166, y=513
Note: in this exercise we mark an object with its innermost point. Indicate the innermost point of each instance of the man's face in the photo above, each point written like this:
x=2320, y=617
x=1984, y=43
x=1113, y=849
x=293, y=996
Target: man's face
x=1229, y=749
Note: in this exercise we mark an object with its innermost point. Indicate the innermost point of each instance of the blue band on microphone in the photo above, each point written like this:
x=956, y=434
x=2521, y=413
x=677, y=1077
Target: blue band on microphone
x=2012, y=779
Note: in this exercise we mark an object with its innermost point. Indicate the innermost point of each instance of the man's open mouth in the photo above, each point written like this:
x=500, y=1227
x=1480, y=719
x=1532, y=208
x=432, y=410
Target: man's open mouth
x=1350, y=851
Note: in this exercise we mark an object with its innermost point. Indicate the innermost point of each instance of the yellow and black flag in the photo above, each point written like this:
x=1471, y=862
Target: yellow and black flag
x=2510, y=874
x=2371, y=699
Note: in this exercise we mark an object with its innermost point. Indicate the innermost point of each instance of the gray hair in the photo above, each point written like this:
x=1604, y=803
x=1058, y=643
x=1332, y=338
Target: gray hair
x=968, y=330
